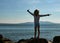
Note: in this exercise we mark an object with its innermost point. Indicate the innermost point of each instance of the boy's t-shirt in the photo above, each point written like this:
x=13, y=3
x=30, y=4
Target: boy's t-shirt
x=36, y=19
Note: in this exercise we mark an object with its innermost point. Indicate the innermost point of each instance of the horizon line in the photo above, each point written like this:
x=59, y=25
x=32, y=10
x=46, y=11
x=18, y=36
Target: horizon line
x=26, y=22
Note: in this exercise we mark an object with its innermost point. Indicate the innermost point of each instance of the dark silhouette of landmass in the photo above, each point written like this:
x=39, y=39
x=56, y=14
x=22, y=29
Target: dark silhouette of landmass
x=30, y=24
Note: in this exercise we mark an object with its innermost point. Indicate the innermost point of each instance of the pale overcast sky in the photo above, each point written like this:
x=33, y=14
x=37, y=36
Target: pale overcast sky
x=14, y=11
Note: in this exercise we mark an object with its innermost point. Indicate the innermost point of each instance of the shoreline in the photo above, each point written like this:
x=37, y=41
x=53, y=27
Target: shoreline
x=30, y=40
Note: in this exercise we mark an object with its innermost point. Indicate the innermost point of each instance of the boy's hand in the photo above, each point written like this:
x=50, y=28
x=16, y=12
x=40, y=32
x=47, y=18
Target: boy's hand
x=27, y=10
x=48, y=14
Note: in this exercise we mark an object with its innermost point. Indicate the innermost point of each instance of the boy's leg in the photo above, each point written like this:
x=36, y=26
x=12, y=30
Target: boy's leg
x=35, y=32
x=38, y=31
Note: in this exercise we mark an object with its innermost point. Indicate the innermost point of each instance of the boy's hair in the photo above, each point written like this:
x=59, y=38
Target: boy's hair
x=36, y=12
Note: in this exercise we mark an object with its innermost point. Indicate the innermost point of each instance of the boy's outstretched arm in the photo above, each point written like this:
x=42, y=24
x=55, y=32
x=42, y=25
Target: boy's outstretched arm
x=29, y=12
x=45, y=15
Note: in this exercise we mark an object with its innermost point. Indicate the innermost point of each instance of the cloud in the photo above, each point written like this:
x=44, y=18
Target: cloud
x=31, y=1
x=11, y=21
x=58, y=10
x=35, y=1
x=53, y=9
x=51, y=20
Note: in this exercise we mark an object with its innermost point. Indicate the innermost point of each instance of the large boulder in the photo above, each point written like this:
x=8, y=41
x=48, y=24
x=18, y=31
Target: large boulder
x=41, y=40
x=32, y=40
x=56, y=39
x=1, y=38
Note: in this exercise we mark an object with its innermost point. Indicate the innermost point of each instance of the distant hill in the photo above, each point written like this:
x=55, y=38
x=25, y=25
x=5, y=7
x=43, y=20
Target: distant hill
x=24, y=24
x=42, y=24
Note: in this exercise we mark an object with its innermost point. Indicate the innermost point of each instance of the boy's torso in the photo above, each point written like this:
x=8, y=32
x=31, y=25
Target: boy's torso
x=36, y=19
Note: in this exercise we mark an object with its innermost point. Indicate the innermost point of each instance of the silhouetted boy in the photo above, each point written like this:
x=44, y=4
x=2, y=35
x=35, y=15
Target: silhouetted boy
x=36, y=21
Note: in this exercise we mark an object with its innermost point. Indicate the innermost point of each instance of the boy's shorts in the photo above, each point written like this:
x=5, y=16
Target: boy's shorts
x=36, y=24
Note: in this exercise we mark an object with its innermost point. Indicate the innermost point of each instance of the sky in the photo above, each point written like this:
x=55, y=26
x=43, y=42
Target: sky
x=15, y=11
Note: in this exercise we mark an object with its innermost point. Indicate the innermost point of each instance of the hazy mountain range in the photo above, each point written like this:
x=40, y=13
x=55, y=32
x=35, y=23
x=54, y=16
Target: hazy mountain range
x=42, y=24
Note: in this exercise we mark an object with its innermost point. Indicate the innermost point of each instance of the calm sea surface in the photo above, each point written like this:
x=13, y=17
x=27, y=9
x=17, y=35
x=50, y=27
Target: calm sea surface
x=16, y=33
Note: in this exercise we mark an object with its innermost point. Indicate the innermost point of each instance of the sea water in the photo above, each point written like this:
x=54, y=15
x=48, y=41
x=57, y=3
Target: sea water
x=16, y=33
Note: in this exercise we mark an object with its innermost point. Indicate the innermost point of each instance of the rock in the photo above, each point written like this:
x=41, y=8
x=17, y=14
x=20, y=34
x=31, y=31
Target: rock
x=8, y=41
x=49, y=41
x=41, y=40
x=32, y=40
x=22, y=41
x=56, y=39
x=1, y=38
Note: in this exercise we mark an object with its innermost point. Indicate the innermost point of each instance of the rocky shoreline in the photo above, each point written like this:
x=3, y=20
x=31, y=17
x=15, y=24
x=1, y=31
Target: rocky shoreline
x=56, y=39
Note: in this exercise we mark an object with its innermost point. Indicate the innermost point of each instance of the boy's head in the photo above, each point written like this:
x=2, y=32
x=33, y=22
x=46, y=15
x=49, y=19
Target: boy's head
x=36, y=12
